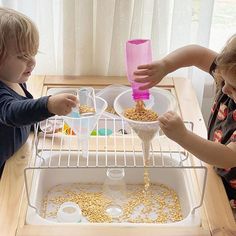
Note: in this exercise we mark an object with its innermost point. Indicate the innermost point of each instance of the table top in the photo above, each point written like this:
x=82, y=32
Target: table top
x=217, y=218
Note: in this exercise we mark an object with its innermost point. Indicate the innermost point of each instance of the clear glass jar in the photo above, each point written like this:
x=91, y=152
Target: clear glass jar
x=114, y=188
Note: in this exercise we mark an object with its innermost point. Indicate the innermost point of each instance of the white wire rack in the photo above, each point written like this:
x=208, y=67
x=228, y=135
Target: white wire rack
x=120, y=147
x=117, y=145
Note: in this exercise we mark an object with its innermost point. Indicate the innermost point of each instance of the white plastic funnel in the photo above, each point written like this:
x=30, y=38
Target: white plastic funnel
x=83, y=126
x=161, y=102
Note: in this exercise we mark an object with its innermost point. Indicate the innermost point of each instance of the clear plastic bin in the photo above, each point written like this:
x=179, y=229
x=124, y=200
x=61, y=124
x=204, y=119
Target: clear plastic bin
x=109, y=94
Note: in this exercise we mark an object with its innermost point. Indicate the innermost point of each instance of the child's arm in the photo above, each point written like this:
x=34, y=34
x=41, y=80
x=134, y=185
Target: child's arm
x=192, y=55
x=25, y=112
x=214, y=153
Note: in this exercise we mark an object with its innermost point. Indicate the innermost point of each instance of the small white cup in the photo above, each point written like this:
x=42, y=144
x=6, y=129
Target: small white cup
x=69, y=212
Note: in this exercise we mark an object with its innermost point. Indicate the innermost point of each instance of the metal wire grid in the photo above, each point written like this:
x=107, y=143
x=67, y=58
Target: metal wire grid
x=122, y=148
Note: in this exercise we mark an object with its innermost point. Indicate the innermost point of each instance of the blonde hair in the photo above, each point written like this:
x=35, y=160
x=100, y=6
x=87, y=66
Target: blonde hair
x=226, y=60
x=19, y=28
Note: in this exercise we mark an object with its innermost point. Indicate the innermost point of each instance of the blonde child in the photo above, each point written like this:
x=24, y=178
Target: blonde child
x=19, y=41
x=220, y=148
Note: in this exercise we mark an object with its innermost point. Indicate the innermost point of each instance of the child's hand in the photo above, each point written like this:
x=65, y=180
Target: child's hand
x=61, y=104
x=151, y=74
x=172, y=125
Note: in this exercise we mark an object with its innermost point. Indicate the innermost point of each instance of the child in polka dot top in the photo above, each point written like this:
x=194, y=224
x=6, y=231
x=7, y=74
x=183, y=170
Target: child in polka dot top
x=220, y=148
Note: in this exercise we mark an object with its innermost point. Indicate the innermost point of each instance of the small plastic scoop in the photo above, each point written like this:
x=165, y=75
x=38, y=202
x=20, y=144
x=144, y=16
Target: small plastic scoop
x=87, y=104
x=69, y=212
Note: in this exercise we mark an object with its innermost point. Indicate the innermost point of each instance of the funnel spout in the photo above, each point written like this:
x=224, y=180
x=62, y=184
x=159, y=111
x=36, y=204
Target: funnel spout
x=146, y=151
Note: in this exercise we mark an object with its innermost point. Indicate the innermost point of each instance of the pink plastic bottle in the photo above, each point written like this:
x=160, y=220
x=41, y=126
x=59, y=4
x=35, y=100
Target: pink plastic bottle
x=138, y=52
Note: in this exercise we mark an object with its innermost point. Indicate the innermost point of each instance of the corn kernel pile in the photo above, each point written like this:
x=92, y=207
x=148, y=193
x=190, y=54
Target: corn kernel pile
x=85, y=109
x=111, y=110
x=140, y=113
x=159, y=205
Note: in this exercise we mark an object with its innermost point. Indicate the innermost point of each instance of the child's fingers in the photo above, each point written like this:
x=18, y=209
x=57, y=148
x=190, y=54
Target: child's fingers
x=70, y=103
x=172, y=112
x=162, y=126
x=163, y=120
x=71, y=97
x=145, y=66
x=174, y=115
x=148, y=85
x=169, y=115
x=143, y=72
x=141, y=80
x=145, y=79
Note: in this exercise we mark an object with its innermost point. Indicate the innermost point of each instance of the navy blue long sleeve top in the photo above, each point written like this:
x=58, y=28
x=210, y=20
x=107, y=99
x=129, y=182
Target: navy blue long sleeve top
x=17, y=115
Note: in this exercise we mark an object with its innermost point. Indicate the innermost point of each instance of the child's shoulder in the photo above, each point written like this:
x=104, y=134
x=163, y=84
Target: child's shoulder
x=7, y=91
x=4, y=88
